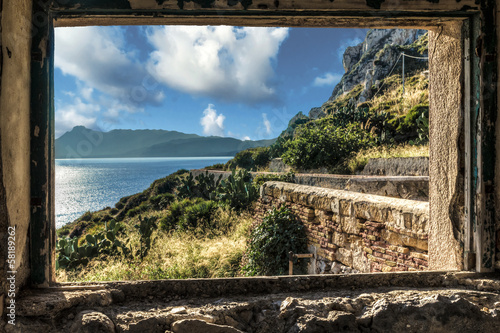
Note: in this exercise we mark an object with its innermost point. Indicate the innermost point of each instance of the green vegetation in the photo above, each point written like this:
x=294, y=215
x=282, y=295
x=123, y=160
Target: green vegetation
x=270, y=241
x=197, y=214
x=201, y=227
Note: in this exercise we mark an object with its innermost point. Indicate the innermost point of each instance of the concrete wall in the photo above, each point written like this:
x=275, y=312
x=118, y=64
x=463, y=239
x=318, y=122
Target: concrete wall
x=446, y=185
x=366, y=232
x=14, y=132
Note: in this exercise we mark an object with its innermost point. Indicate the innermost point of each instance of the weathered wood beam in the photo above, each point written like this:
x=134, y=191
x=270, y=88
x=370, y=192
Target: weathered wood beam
x=42, y=225
x=485, y=159
x=266, y=5
x=302, y=20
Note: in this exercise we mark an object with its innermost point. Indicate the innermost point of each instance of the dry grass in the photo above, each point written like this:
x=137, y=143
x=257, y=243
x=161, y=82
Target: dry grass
x=358, y=161
x=174, y=256
x=393, y=100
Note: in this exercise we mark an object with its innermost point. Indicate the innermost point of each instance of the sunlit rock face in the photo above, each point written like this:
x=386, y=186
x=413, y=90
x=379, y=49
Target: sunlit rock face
x=372, y=59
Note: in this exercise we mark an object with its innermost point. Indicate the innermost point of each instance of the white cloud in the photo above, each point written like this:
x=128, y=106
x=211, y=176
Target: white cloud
x=86, y=93
x=213, y=123
x=78, y=113
x=327, y=79
x=267, y=124
x=95, y=56
x=246, y=138
x=234, y=64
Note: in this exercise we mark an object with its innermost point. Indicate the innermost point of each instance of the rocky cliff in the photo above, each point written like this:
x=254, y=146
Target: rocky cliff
x=371, y=61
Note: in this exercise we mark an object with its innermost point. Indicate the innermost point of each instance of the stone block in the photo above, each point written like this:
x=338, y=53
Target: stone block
x=419, y=255
x=403, y=250
x=391, y=263
x=387, y=269
x=344, y=256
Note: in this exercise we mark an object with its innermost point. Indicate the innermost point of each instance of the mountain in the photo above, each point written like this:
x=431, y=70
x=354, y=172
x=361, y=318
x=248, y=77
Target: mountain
x=82, y=142
x=367, y=64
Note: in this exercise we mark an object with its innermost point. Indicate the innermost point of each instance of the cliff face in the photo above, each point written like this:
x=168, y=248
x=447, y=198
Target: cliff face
x=373, y=60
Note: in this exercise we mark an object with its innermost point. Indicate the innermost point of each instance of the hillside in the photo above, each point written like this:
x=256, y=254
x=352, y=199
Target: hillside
x=81, y=142
x=369, y=110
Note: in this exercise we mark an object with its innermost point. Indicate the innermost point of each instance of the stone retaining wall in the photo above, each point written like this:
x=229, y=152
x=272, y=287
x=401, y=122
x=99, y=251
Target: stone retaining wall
x=366, y=232
x=405, y=187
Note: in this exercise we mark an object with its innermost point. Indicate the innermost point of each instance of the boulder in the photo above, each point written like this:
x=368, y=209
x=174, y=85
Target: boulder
x=90, y=321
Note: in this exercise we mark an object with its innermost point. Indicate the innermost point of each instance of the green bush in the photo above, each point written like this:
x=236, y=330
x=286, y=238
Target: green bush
x=250, y=159
x=279, y=233
x=317, y=146
x=197, y=216
x=190, y=215
x=161, y=201
x=409, y=126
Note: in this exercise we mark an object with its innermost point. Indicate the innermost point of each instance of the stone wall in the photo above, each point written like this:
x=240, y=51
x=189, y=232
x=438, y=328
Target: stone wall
x=399, y=166
x=413, y=188
x=366, y=232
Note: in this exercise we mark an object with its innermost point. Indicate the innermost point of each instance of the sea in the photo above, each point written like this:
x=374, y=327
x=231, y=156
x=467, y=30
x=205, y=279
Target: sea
x=92, y=184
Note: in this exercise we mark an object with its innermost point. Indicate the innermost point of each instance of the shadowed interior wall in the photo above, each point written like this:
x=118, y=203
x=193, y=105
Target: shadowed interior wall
x=446, y=178
x=14, y=132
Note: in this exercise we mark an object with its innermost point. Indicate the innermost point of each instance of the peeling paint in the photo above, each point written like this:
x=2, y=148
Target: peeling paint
x=37, y=131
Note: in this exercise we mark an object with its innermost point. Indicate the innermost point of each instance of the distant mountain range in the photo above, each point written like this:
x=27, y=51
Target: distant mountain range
x=82, y=142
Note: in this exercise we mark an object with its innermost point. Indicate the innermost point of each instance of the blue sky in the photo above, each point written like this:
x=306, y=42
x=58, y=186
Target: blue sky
x=227, y=81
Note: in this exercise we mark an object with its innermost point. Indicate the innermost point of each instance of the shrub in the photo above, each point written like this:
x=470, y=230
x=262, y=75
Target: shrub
x=161, y=201
x=197, y=216
x=279, y=233
x=408, y=126
x=318, y=147
x=250, y=159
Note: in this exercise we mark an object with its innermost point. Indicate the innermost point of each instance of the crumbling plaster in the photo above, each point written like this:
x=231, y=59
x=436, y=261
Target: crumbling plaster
x=14, y=128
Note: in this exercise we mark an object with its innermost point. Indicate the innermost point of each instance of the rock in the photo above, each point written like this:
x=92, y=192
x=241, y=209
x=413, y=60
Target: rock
x=246, y=316
x=316, y=113
x=431, y=314
x=337, y=321
x=277, y=165
x=370, y=61
x=178, y=310
x=351, y=56
x=288, y=304
x=336, y=267
x=91, y=322
x=231, y=321
x=151, y=324
x=199, y=326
